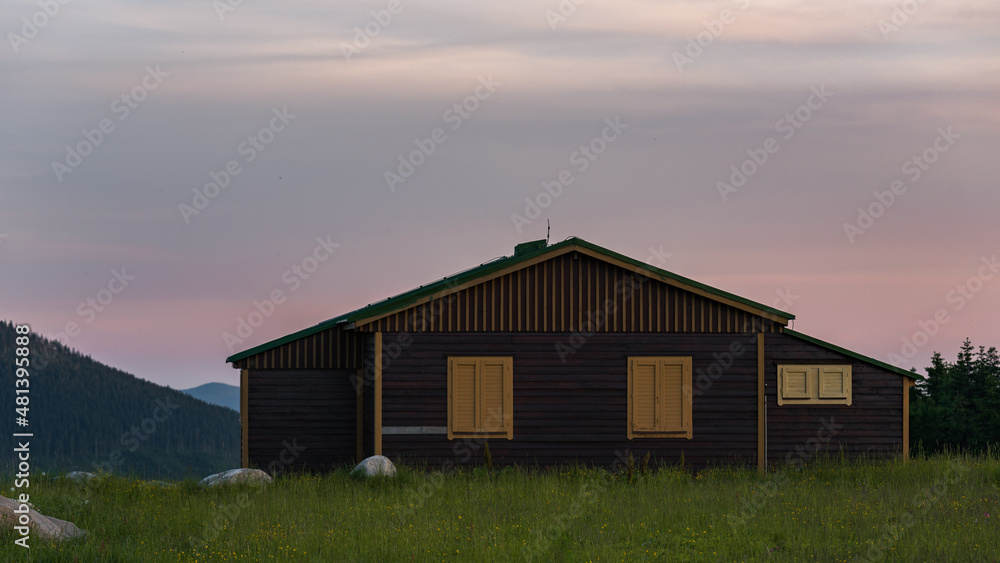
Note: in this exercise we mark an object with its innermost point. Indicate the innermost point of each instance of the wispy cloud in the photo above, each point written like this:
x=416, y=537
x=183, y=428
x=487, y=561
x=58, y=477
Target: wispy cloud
x=325, y=173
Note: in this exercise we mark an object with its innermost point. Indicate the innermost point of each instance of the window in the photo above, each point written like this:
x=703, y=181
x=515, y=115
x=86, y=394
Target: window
x=659, y=397
x=814, y=384
x=480, y=396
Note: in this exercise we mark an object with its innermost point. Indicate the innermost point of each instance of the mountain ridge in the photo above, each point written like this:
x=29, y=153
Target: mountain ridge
x=217, y=393
x=89, y=416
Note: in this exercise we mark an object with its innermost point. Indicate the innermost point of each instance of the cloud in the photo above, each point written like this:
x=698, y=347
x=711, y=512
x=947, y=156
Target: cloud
x=325, y=173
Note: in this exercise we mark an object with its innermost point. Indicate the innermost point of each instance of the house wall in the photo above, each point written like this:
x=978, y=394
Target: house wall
x=305, y=417
x=871, y=426
x=570, y=411
x=577, y=410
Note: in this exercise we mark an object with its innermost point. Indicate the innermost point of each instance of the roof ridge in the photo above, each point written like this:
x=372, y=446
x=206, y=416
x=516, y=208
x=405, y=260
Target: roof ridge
x=412, y=297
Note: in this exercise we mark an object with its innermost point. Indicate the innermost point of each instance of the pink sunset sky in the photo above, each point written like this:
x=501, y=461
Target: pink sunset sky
x=837, y=160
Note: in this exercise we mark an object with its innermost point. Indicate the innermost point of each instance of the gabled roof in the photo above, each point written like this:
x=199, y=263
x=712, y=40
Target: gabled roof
x=855, y=355
x=525, y=254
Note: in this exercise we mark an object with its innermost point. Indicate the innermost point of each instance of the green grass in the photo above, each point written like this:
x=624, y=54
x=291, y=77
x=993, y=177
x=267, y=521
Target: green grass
x=931, y=509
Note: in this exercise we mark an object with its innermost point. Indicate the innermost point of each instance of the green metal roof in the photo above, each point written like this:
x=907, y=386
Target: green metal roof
x=526, y=252
x=854, y=355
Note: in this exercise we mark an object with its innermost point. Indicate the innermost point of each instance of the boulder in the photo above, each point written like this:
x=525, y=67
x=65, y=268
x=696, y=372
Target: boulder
x=43, y=527
x=236, y=476
x=376, y=465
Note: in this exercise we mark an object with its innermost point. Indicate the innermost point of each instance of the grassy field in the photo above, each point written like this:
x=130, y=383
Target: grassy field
x=942, y=508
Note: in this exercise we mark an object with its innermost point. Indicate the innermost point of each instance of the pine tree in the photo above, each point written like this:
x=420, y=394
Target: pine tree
x=958, y=405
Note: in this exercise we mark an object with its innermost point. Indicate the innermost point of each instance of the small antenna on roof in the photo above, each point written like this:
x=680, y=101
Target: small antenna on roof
x=548, y=231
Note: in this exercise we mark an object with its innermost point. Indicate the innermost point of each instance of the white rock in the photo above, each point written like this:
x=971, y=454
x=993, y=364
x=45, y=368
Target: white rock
x=375, y=465
x=234, y=476
x=44, y=527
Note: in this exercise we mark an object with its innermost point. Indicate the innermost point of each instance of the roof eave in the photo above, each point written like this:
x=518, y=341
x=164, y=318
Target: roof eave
x=325, y=325
x=851, y=353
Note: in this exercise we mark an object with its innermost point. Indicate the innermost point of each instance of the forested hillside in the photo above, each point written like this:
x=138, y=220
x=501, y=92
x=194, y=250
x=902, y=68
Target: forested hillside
x=86, y=415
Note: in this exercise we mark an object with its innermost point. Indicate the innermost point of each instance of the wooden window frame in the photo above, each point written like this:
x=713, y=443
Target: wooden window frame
x=814, y=377
x=686, y=429
x=508, y=396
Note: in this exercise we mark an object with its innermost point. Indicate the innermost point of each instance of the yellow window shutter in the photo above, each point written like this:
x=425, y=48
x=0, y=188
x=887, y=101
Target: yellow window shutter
x=659, y=397
x=795, y=382
x=672, y=407
x=480, y=397
x=463, y=394
x=814, y=384
x=675, y=396
x=835, y=382
x=493, y=415
x=643, y=395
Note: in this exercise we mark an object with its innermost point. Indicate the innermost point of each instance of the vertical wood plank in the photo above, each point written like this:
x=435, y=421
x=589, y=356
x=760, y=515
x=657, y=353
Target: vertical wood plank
x=534, y=299
x=545, y=295
x=761, y=406
x=684, y=318
x=907, y=383
x=491, y=290
x=244, y=418
x=378, y=393
x=360, y=408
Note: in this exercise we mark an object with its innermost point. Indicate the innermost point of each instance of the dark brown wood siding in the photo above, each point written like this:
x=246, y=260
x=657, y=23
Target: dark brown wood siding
x=572, y=292
x=574, y=410
x=305, y=417
x=334, y=348
x=871, y=426
x=368, y=410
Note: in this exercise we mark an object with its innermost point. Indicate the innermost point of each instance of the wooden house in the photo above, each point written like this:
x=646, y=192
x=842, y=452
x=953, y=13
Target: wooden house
x=564, y=353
